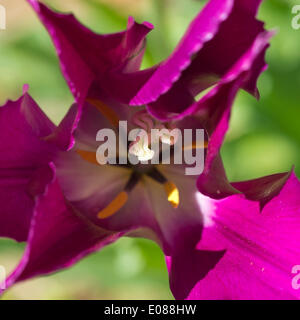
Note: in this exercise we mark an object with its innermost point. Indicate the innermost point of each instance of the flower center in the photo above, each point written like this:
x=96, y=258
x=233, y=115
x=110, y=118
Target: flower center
x=121, y=199
x=147, y=136
x=140, y=148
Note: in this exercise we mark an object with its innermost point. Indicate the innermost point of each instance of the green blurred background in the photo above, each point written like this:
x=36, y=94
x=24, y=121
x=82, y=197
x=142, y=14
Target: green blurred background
x=264, y=137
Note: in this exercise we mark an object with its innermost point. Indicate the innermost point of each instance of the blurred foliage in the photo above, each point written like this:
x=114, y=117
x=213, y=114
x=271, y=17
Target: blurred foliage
x=264, y=136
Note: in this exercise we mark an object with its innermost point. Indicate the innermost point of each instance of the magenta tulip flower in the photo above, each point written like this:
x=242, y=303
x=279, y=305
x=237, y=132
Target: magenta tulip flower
x=221, y=240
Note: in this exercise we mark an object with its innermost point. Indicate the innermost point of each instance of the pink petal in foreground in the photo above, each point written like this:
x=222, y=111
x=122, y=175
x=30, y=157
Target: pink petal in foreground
x=261, y=248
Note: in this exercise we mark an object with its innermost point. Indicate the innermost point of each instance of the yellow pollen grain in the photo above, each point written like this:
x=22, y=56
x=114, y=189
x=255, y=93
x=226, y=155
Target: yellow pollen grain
x=114, y=206
x=172, y=193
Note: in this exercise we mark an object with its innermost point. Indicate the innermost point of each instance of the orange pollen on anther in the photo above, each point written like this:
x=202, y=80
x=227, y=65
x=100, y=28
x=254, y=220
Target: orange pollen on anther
x=172, y=193
x=114, y=206
x=106, y=111
x=196, y=145
x=88, y=156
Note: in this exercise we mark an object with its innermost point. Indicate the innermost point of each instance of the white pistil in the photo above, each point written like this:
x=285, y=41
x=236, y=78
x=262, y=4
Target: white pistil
x=140, y=148
x=169, y=138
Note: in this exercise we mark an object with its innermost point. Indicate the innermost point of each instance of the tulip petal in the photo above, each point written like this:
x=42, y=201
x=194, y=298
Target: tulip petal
x=213, y=182
x=24, y=155
x=62, y=136
x=231, y=28
x=243, y=73
x=261, y=249
x=112, y=61
x=262, y=189
x=85, y=55
x=202, y=29
x=58, y=237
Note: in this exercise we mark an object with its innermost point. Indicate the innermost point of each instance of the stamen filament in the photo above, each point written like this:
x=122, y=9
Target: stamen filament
x=194, y=146
x=107, y=112
x=121, y=199
x=88, y=156
x=114, y=206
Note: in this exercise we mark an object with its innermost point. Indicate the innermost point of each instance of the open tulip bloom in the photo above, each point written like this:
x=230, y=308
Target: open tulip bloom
x=221, y=240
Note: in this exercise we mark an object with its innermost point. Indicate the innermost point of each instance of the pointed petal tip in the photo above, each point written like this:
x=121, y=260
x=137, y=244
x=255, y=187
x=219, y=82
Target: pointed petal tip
x=149, y=25
x=25, y=88
x=132, y=21
x=257, y=94
x=35, y=4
